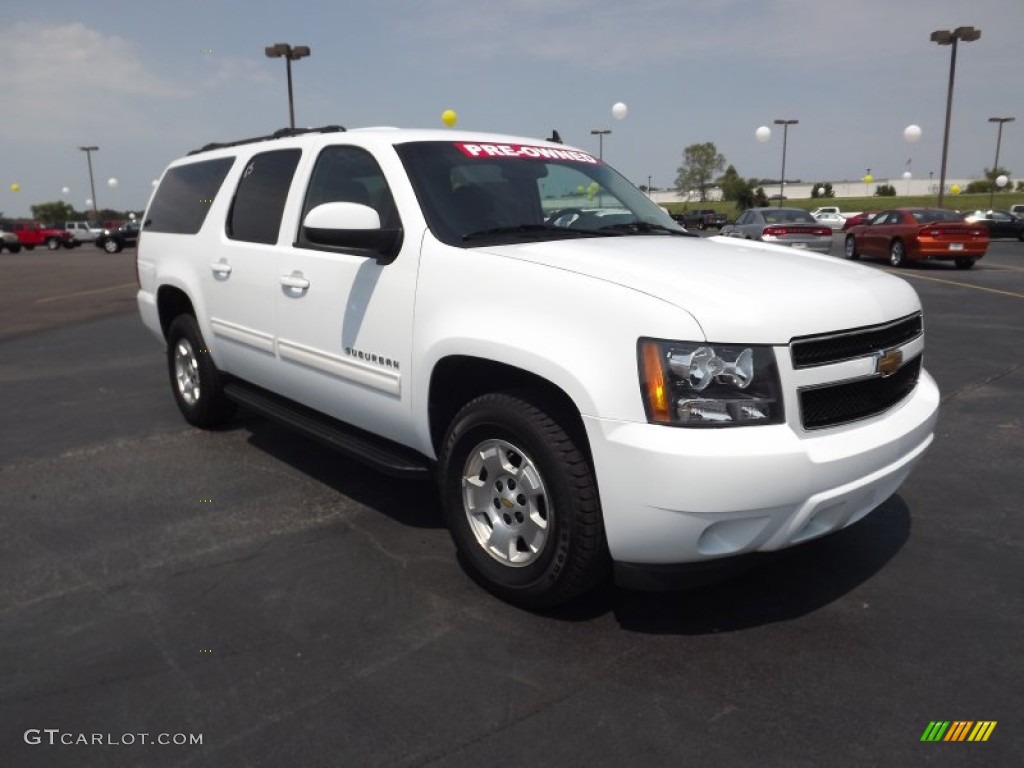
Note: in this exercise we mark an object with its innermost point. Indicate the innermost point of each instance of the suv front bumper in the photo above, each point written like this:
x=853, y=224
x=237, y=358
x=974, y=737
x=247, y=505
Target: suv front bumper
x=674, y=495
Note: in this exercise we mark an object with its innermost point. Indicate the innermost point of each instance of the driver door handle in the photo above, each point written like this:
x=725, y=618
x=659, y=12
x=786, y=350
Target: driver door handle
x=220, y=268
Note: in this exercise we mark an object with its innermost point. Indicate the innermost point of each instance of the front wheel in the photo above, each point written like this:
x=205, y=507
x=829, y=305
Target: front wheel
x=52, y=243
x=521, y=502
x=965, y=263
x=110, y=245
x=850, y=248
x=195, y=381
x=897, y=253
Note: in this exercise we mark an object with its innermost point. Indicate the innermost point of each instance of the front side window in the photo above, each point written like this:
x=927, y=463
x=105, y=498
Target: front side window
x=183, y=198
x=485, y=193
x=262, y=191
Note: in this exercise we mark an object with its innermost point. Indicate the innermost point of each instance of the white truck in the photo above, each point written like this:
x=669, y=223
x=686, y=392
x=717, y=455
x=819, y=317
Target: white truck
x=84, y=231
x=592, y=386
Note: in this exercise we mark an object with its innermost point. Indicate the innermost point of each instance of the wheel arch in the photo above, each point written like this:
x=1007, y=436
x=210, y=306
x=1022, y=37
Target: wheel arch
x=458, y=379
x=171, y=301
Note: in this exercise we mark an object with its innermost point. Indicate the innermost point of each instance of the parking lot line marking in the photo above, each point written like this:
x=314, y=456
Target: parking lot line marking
x=955, y=282
x=48, y=299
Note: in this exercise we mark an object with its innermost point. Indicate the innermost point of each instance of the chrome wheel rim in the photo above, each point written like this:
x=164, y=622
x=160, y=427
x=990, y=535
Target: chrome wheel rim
x=506, y=503
x=110, y=246
x=896, y=254
x=186, y=372
x=849, y=247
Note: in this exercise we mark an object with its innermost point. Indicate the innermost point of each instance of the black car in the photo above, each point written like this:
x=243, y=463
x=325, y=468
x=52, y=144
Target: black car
x=998, y=223
x=115, y=240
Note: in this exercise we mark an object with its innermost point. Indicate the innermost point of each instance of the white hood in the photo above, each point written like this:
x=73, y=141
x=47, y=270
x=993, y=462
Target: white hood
x=739, y=292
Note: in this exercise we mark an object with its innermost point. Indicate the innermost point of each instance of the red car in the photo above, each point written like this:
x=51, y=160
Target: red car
x=902, y=235
x=860, y=218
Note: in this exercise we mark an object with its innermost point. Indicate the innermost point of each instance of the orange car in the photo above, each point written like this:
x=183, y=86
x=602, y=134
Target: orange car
x=901, y=235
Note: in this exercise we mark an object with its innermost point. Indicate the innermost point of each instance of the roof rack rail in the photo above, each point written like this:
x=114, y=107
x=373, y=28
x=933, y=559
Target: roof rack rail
x=278, y=134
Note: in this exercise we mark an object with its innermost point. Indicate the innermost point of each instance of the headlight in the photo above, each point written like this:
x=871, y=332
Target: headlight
x=698, y=384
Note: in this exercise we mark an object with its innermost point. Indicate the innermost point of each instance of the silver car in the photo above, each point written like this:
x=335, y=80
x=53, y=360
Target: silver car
x=783, y=226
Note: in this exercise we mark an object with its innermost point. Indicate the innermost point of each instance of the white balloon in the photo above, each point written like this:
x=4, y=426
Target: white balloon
x=131, y=216
x=821, y=191
x=763, y=133
x=912, y=133
x=65, y=190
x=1002, y=180
x=154, y=183
x=111, y=183
x=619, y=110
x=88, y=202
x=906, y=174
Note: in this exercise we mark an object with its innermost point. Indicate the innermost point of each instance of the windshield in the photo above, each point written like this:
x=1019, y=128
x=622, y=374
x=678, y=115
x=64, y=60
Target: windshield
x=486, y=193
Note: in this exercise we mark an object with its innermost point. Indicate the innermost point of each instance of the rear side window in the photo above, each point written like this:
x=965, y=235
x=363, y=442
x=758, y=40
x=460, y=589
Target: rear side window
x=262, y=192
x=184, y=196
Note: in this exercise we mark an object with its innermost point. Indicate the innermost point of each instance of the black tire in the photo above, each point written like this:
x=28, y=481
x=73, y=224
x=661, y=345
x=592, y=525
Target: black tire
x=850, y=248
x=563, y=508
x=897, y=254
x=53, y=243
x=965, y=263
x=112, y=245
x=13, y=248
x=197, y=385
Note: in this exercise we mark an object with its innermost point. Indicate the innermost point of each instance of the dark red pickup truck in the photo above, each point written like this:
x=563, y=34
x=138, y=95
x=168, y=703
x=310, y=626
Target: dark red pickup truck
x=701, y=218
x=32, y=233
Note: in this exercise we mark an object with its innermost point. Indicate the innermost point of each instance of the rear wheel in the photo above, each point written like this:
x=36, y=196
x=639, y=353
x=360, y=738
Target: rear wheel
x=195, y=381
x=521, y=502
x=850, y=248
x=53, y=243
x=897, y=254
x=110, y=245
x=965, y=263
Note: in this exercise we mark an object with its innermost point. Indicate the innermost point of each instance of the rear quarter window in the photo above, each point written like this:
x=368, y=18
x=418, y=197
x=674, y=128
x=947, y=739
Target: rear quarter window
x=183, y=198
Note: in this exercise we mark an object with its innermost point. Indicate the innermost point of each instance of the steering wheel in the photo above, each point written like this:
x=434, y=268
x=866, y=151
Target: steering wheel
x=562, y=213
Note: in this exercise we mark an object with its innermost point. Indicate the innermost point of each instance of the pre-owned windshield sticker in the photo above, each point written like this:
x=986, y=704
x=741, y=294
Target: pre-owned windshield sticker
x=522, y=150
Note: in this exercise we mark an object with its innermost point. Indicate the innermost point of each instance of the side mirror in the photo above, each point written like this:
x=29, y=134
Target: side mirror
x=352, y=225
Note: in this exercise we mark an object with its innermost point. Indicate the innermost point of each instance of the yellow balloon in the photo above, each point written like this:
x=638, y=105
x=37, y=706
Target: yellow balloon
x=955, y=189
x=448, y=117
x=868, y=179
x=15, y=187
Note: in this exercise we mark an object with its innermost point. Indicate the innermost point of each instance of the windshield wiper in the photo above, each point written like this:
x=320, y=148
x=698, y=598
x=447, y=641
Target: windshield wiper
x=647, y=227
x=533, y=230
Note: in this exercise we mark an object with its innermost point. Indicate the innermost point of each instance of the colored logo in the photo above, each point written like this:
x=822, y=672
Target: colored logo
x=888, y=362
x=958, y=730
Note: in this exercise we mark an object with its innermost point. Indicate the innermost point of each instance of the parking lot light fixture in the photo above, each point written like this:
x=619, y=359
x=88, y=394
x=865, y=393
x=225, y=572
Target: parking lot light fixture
x=995, y=165
x=92, y=186
x=785, y=135
x=600, y=133
x=950, y=37
x=290, y=53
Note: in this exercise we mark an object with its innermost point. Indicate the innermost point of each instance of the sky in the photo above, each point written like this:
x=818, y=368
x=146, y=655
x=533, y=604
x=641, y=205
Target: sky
x=147, y=82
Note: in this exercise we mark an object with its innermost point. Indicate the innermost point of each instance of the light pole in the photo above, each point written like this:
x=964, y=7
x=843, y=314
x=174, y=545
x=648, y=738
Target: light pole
x=600, y=133
x=947, y=37
x=648, y=187
x=92, y=187
x=290, y=53
x=785, y=134
x=995, y=165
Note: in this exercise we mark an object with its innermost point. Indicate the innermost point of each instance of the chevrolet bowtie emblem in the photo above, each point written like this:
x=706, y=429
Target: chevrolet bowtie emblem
x=888, y=362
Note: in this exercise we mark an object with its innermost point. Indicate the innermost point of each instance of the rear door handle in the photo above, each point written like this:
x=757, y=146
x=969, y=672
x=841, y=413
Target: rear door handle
x=220, y=268
x=295, y=281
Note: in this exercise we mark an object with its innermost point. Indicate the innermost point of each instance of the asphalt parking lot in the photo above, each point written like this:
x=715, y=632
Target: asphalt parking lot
x=293, y=608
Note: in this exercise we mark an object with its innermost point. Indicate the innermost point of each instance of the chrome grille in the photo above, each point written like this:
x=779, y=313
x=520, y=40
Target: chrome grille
x=832, y=404
x=822, y=349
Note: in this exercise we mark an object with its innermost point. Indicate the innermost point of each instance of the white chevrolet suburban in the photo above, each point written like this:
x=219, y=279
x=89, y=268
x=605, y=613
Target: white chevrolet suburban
x=591, y=385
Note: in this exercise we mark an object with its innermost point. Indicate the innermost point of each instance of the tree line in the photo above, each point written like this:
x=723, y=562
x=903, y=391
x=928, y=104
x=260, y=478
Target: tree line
x=702, y=166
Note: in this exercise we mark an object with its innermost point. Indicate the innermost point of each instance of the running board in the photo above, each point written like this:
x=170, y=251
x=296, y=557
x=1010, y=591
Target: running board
x=385, y=456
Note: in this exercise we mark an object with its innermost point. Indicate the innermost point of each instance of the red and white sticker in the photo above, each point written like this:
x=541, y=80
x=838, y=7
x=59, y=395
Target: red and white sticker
x=487, y=151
